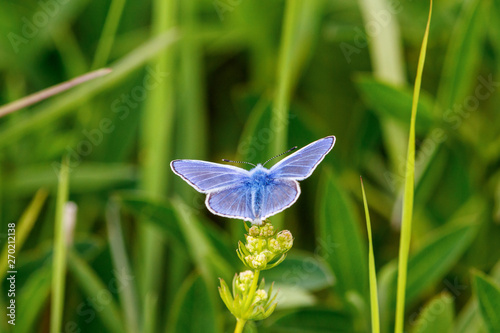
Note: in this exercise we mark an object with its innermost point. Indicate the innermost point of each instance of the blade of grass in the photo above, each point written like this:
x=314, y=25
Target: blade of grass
x=282, y=98
x=207, y=259
x=51, y=91
x=108, y=33
x=488, y=296
x=60, y=251
x=193, y=119
x=32, y=299
x=68, y=102
x=341, y=241
x=437, y=315
x=462, y=62
x=128, y=297
x=386, y=50
x=371, y=268
x=24, y=226
x=87, y=177
x=281, y=103
x=404, y=246
x=94, y=287
x=194, y=299
x=386, y=55
x=191, y=122
x=72, y=56
x=150, y=304
x=157, y=124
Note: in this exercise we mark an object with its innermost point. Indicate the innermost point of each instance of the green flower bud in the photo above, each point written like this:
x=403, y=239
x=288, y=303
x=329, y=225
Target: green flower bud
x=254, y=231
x=258, y=261
x=267, y=230
x=268, y=254
x=274, y=246
x=260, y=297
x=285, y=240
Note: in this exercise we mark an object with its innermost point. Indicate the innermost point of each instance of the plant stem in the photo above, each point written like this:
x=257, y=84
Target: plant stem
x=51, y=91
x=240, y=323
x=108, y=33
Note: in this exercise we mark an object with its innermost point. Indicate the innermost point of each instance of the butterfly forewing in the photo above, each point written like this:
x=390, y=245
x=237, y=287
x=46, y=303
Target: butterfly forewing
x=207, y=177
x=302, y=163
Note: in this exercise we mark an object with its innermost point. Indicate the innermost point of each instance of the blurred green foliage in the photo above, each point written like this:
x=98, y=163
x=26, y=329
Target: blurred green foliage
x=212, y=79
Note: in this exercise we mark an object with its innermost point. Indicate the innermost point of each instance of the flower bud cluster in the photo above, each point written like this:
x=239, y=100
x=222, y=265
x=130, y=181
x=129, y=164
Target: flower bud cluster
x=264, y=249
x=263, y=246
x=248, y=303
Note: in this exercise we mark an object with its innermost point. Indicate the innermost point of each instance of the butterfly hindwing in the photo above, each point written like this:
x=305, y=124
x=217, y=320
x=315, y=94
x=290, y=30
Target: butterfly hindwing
x=207, y=177
x=302, y=163
x=278, y=196
x=234, y=202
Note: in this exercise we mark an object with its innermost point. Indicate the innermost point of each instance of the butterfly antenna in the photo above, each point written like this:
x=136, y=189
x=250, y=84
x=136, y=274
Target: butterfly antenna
x=286, y=152
x=225, y=160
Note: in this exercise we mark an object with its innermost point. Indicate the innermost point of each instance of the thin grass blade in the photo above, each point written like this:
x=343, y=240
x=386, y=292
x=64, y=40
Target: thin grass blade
x=371, y=269
x=24, y=226
x=60, y=252
x=404, y=247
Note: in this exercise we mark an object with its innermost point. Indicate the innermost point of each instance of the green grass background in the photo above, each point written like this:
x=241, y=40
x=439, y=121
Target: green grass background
x=246, y=80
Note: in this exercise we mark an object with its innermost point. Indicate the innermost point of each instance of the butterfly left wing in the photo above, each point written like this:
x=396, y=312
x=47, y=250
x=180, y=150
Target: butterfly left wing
x=207, y=177
x=302, y=163
x=228, y=194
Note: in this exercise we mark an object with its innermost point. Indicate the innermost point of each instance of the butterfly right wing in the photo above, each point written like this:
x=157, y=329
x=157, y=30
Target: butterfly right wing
x=207, y=177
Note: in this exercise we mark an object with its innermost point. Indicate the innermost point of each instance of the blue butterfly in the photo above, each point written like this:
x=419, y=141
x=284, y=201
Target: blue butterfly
x=256, y=194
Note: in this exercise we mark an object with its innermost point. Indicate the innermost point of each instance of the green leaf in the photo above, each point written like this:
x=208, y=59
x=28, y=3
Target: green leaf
x=32, y=299
x=293, y=297
x=463, y=56
x=469, y=319
x=391, y=102
x=340, y=239
x=95, y=289
x=85, y=177
x=311, y=321
x=488, y=296
x=156, y=212
x=181, y=224
x=128, y=295
x=194, y=309
x=208, y=260
x=300, y=270
x=426, y=267
x=437, y=316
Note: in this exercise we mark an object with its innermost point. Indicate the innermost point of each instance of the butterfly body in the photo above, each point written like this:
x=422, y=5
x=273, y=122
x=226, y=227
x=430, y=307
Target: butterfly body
x=253, y=195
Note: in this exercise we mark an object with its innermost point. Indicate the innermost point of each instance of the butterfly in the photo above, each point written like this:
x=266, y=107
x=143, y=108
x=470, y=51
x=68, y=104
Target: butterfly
x=256, y=194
